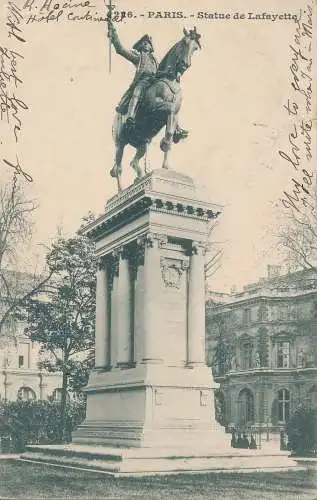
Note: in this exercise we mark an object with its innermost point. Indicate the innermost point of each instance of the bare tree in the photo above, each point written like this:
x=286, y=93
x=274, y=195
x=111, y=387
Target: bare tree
x=15, y=220
x=214, y=252
x=221, y=325
x=15, y=229
x=297, y=234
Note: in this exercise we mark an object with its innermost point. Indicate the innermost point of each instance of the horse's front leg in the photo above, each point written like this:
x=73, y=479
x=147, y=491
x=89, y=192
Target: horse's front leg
x=140, y=152
x=119, y=182
x=167, y=140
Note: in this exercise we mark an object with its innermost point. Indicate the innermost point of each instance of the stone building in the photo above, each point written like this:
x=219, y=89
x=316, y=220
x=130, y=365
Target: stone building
x=262, y=346
x=20, y=376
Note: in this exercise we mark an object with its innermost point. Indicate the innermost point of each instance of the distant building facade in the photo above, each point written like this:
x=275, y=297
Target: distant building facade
x=20, y=376
x=262, y=346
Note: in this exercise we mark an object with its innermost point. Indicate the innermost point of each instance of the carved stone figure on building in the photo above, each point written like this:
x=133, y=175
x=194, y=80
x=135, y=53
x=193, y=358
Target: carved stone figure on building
x=301, y=359
x=233, y=363
x=280, y=357
x=257, y=360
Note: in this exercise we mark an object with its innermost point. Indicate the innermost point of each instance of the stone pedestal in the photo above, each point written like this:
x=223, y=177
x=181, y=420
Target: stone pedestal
x=155, y=389
x=150, y=398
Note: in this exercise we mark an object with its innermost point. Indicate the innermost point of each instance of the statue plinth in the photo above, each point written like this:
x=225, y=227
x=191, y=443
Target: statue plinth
x=150, y=398
x=151, y=382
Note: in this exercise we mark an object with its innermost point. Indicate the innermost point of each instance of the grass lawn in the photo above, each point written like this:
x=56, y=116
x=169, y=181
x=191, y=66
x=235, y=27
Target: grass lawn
x=36, y=481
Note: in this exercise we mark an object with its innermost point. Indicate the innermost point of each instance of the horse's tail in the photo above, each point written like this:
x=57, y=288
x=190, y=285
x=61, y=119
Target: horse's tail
x=118, y=123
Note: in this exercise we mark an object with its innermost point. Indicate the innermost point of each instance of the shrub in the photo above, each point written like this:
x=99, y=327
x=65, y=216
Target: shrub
x=302, y=431
x=220, y=409
x=35, y=422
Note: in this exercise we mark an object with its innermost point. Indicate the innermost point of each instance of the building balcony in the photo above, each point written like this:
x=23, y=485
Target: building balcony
x=258, y=370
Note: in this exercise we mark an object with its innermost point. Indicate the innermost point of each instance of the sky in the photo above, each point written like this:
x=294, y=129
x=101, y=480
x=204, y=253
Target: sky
x=234, y=98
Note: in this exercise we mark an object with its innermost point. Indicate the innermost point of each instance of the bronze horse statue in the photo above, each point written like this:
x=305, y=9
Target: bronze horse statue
x=158, y=107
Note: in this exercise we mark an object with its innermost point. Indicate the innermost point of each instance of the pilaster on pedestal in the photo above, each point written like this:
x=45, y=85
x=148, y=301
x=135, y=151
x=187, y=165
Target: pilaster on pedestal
x=114, y=306
x=196, y=306
x=151, y=297
x=124, y=327
x=102, y=340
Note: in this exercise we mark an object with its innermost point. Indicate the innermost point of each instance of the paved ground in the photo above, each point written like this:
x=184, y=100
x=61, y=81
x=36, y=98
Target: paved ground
x=36, y=481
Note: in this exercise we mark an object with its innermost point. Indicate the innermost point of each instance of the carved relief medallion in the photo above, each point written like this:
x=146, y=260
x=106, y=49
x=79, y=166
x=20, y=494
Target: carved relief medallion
x=172, y=272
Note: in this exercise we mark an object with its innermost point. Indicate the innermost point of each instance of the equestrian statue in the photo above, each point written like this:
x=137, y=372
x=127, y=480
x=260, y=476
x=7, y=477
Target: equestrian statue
x=153, y=100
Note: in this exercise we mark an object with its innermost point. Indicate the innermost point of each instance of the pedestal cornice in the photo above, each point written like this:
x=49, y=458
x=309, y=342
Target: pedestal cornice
x=164, y=192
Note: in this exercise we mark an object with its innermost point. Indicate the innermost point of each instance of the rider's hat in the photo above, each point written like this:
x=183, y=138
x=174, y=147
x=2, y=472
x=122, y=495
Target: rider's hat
x=138, y=44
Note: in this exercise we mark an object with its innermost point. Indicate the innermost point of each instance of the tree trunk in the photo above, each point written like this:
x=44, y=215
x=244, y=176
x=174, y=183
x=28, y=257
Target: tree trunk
x=63, y=406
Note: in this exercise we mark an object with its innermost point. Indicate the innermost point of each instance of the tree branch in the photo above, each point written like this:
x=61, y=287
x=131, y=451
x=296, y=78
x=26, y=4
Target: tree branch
x=20, y=300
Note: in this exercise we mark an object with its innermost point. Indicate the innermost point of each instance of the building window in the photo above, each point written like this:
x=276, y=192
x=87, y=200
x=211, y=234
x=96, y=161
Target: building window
x=26, y=394
x=312, y=396
x=246, y=355
x=263, y=313
x=24, y=353
x=283, y=405
x=293, y=313
x=283, y=355
x=245, y=407
x=21, y=361
x=247, y=316
x=57, y=395
x=283, y=313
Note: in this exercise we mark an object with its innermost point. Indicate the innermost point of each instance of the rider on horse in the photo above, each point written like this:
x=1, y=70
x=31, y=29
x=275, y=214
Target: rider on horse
x=142, y=56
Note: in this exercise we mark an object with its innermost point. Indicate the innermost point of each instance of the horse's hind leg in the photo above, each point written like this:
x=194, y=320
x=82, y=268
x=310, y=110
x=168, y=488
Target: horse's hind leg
x=140, y=152
x=167, y=140
x=116, y=170
x=165, y=161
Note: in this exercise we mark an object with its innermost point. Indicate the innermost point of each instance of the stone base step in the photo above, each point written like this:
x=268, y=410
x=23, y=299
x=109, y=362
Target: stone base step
x=138, y=462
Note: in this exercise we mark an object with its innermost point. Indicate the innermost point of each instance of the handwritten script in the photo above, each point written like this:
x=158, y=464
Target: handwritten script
x=11, y=104
x=18, y=170
x=298, y=155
